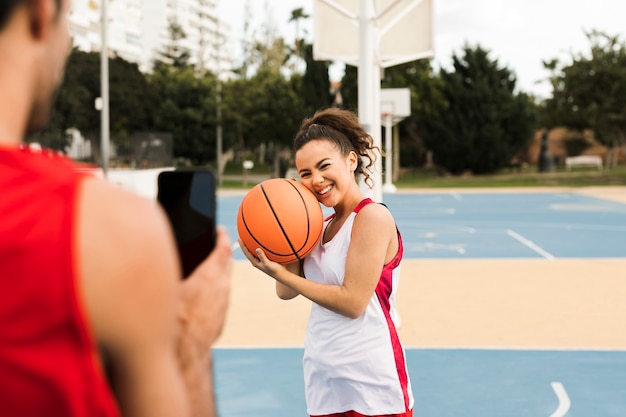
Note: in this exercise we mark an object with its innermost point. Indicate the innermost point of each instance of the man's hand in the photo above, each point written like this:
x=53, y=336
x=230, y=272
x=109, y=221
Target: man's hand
x=204, y=298
x=205, y=295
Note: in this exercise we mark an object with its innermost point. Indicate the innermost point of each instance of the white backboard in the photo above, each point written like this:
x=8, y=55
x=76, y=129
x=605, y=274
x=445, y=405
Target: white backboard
x=396, y=102
x=403, y=31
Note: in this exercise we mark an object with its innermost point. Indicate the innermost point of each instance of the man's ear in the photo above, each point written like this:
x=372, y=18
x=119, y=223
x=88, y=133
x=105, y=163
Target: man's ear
x=42, y=14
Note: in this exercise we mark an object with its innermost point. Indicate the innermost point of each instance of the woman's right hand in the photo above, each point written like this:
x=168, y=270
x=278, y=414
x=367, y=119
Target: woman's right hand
x=261, y=262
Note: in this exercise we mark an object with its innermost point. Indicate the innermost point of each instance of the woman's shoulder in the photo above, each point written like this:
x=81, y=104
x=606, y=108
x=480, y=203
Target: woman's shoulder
x=375, y=213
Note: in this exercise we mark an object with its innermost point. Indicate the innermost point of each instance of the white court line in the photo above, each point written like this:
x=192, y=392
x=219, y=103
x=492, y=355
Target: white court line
x=456, y=196
x=564, y=402
x=530, y=244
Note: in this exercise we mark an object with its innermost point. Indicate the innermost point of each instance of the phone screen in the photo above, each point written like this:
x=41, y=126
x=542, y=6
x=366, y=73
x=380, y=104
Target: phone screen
x=188, y=198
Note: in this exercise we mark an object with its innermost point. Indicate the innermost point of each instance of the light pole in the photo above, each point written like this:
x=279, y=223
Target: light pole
x=218, y=133
x=218, y=108
x=104, y=86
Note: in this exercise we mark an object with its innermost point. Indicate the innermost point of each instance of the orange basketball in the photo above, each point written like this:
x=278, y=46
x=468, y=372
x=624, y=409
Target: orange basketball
x=282, y=217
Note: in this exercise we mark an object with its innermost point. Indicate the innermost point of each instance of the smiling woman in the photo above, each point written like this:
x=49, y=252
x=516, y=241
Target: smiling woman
x=354, y=363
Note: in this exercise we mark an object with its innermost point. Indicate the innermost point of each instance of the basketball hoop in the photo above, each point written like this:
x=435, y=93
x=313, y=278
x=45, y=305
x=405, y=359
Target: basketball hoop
x=374, y=36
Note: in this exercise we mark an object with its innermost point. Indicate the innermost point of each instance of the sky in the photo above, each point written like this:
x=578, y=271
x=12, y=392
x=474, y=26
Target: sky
x=520, y=34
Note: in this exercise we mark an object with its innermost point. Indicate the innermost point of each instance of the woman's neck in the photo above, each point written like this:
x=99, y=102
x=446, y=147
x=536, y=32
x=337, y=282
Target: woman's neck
x=348, y=203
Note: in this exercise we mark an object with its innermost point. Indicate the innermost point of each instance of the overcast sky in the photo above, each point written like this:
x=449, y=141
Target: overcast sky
x=520, y=34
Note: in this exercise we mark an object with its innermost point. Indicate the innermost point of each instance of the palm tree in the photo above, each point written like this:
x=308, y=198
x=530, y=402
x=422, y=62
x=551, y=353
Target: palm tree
x=296, y=15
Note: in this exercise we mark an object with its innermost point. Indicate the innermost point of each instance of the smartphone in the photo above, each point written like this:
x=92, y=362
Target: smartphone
x=188, y=198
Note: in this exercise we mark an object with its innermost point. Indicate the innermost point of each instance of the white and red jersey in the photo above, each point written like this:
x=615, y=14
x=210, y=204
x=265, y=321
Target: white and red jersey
x=354, y=364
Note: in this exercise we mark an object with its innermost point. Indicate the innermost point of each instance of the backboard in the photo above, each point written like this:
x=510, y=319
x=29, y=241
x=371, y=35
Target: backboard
x=403, y=31
x=395, y=102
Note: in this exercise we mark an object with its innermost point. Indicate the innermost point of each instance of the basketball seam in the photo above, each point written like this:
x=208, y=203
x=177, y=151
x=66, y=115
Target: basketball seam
x=265, y=248
x=308, y=219
x=282, y=229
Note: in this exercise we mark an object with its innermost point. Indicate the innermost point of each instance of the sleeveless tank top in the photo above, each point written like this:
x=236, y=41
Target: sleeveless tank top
x=48, y=358
x=354, y=364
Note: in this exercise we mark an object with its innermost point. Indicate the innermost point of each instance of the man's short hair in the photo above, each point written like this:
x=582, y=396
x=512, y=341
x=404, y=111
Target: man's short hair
x=7, y=7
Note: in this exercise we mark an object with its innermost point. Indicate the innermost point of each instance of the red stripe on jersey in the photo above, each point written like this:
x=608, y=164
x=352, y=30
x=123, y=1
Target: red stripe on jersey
x=383, y=293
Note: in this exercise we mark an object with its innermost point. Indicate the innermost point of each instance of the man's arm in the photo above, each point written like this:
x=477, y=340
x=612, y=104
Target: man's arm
x=204, y=303
x=134, y=297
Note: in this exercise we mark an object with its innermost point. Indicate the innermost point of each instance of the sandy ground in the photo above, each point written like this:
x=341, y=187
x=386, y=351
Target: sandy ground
x=535, y=303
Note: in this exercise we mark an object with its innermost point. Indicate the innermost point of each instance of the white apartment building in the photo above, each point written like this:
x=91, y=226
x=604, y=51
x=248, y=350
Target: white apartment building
x=138, y=29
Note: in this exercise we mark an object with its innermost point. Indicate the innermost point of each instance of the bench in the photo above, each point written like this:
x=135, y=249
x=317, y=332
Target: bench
x=583, y=161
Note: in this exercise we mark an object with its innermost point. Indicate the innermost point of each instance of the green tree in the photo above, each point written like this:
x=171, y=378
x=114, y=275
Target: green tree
x=263, y=111
x=350, y=88
x=129, y=100
x=296, y=16
x=263, y=48
x=426, y=100
x=482, y=121
x=262, y=106
x=315, y=83
x=186, y=108
x=174, y=52
x=271, y=53
x=590, y=92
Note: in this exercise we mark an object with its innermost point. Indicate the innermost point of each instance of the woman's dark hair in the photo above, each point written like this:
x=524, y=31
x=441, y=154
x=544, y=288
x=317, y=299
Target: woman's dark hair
x=341, y=127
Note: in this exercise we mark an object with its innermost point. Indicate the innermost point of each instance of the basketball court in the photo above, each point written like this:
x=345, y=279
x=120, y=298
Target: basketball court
x=512, y=304
x=511, y=301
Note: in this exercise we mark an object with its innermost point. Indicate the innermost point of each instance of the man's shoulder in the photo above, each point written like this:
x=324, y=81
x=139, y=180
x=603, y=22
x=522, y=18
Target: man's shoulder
x=129, y=270
x=130, y=230
x=112, y=207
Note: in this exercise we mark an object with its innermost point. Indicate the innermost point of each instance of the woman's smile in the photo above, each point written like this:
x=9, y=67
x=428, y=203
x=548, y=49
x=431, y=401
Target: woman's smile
x=324, y=190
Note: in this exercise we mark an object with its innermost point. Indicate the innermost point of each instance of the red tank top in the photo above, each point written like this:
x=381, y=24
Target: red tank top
x=48, y=357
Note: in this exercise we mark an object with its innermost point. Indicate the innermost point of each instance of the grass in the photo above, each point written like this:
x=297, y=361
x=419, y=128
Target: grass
x=527, y=177
x=428, y=178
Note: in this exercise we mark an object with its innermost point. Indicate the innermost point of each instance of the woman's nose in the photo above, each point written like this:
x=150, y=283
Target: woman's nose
x=318, y=178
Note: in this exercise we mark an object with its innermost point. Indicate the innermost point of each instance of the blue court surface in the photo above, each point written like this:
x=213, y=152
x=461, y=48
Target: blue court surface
x=446, y=383
x=453, y=225
x=267, y=382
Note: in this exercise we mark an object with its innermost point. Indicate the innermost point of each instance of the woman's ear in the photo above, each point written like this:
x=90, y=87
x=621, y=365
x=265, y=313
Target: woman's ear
x=352, y=160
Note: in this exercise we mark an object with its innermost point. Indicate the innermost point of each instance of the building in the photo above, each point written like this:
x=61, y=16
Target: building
x=139, y=29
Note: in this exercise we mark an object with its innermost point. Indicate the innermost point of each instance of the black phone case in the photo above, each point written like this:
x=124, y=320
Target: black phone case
x=188, y=198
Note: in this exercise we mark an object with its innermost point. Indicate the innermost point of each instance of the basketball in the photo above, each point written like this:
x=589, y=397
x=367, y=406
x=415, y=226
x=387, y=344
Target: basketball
x=282, y=217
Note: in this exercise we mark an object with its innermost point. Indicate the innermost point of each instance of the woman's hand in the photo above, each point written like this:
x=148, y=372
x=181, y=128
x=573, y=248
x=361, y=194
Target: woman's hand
x=261, y=262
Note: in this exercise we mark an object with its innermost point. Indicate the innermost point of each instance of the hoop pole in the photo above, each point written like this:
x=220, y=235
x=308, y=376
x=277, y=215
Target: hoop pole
x=388, y=187
x=369, y=91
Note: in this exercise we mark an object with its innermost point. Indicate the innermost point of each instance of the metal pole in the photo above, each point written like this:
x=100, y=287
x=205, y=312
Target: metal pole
x=366, y=56
x=104, y=86
x=218, y=110
x=218, y=113
x=369, y=90
x=377, y=169
x=388, y=187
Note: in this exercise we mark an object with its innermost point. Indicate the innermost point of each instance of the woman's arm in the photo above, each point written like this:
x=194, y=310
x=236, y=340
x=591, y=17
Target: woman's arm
x=284, y=292
x=374, y=243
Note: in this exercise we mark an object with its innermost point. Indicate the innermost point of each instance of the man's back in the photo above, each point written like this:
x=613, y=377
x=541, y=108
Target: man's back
x=48, y=359
x=100, y=264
